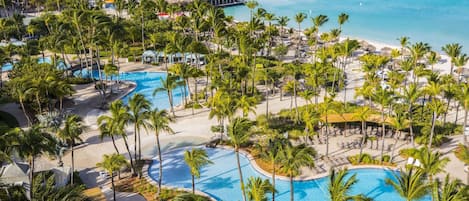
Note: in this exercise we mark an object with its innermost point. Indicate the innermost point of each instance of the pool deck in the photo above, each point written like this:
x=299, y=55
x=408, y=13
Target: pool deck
x=195, y=129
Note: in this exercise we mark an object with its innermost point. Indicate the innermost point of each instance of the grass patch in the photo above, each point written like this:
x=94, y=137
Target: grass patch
x=148, y=190
x=94, y=194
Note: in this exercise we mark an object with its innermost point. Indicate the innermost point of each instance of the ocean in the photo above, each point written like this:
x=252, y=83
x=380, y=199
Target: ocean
x=437, y=22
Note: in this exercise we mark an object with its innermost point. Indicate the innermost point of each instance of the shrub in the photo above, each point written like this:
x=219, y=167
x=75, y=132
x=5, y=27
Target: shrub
x=79, y=80
x=406, y=153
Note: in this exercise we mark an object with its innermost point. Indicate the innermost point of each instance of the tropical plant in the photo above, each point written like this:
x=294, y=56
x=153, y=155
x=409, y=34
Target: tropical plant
x=238, y=132
x=33, y=143
x=339, y=186
x=293, y=158
x=112, y=163
x=257, y=188
x=114, y=125
x=139, y=107
x=432, y=163
x=168, y=84
x=196, y=159
x=159, y=121
x=449, y=190
x=72, y=129
x=410, y=184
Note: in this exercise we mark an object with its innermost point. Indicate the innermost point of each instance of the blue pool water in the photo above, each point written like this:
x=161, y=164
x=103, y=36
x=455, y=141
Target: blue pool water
x=147, y=82
x=221, y=179
x=436, y=22
x=60, y=64
x=7, y=67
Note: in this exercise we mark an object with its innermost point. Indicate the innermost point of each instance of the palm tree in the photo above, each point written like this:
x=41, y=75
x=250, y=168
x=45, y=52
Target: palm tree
x=138, y=112
x=159, y=121
x=437, y=107
x=273, y=153
x=362, y=114
x=449, y=190
x=293, y=158
x=343, y=17
x=196, y=159
x=463, y=97
x=410, y=95
x=238, y=132
x=432, y=163
x=410, y=184
x=33, y=143
x=71, y=131
x=339, y=186
x=299, y=17
x=246, y=104
x=114, y=125
x=453, y=51
x=168, y=84
x=258, y=188
x=318, y=21
x=112, y=163
x=282, y=22
x=399, y=122
x=404, y=41
x=385, y=99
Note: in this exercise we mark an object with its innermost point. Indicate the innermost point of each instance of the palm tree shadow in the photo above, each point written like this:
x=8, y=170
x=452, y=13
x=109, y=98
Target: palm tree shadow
x=381, y=188
x=218, y=182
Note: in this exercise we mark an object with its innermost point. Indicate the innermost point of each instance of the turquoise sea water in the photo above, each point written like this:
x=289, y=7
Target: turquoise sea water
x=436, y=22
x=221, y=179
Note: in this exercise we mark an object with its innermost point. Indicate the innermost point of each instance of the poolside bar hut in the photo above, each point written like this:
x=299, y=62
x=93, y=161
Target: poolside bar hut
x=150, y=56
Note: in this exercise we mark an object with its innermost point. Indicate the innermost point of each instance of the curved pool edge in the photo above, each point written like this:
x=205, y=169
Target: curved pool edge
x=254, y=165
x=134, y=86
x=146, y=175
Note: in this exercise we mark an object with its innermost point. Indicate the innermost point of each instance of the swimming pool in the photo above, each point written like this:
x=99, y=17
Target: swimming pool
x=60, y=64
x=7, y=67
x=221, y=179
x=146, y=82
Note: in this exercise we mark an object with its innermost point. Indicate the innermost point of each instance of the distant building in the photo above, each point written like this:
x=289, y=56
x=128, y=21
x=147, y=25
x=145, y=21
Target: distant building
x=224, y=3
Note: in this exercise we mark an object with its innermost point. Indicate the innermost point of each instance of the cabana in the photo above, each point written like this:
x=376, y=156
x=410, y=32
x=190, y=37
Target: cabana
x=150, y=56
x=192, y=59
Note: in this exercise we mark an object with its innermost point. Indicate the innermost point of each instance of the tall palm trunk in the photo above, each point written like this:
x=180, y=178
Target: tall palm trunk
x=432, y=131
x=383, y=134
x=170, y=97
x=113, y=187
x=267, y=102
x=394, y=146
x=411, y=127
x=24, y=111
x=327, y=135
x=363, y=140
x=73, y=161
x=240, y=174
x=297, y=113
x=114, y=143
x=31, y=177
x=160, y=160
x=135, y=142
x=193, y=184
x=464, y=128
x=132, y=167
